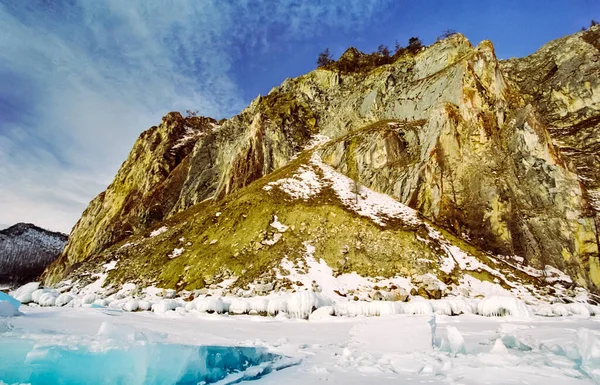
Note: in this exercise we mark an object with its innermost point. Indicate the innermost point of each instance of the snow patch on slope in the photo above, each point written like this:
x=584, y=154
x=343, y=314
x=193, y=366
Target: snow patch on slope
x=306, y=183
x=302, y=185
x=318, y=275
x=158, y=231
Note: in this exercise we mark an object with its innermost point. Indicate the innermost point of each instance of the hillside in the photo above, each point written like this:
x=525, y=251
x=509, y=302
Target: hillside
x=446, y=162
x=26, y=250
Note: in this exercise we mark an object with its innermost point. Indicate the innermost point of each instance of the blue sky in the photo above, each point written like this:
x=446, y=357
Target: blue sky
x=80, y=80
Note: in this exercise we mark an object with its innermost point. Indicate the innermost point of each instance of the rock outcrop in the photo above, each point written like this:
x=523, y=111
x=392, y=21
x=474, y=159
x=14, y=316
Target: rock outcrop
x=146, y=188
x=562, y=82
x=505, y=163
x=26, y=250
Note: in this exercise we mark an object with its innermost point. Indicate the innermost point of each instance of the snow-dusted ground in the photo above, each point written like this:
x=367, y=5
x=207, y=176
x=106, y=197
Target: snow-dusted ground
x=398, y=349
x=342, y=328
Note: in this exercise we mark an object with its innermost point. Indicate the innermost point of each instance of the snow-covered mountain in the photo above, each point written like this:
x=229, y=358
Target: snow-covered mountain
x=26, y=250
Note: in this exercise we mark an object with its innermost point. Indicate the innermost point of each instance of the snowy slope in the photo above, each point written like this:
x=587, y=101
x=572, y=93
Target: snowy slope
x=26, y=250
x=455, y=280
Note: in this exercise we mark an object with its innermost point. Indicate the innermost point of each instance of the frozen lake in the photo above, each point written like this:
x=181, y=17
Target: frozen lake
x=33, y=362
x=407, y=349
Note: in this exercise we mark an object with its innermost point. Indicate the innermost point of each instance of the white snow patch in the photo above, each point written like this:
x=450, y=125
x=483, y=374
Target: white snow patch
x=64, y=299
x=126, y=245
x=301, y=304
x=553, y=274
x=176, y=252
x=369, y=309
x=158, y=231
x=131, y=305
x=417, y=305
x=189, y=135
x=144, y=305
x=274, y=240
x=278, y=225
x=482, y=288
x=316, y=141
x=89, y=299
x=165, y=305
x=110, y=266
x=453, y=306
x=363, y=200
x=23, y=293
x=48, y=298
x=96, y=286
x=304, y=184
x=322, y=313
x=500, y=306
x=209, y=304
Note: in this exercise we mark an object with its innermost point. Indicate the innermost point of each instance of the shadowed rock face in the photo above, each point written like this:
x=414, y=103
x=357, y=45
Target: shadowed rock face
x=26, y=250
x=502, y=154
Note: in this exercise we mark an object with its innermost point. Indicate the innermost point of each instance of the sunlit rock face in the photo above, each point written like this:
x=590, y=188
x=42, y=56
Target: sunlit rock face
x=145, y=189
x=562, y=82
x=503, y=154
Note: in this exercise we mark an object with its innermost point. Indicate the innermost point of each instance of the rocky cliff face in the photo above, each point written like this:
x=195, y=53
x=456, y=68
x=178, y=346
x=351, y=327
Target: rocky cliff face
x=26, y=250
x=503, y=163
x=562, y=82
x=146, y=188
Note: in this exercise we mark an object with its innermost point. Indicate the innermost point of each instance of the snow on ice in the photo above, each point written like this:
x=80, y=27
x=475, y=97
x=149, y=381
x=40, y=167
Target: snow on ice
x=480, y=332
x=402, y=342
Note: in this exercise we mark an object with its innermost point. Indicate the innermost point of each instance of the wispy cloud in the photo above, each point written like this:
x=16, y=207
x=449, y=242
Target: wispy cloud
x=81, y=79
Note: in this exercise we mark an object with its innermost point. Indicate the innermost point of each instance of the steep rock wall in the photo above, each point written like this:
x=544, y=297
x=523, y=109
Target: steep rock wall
x=474, y=149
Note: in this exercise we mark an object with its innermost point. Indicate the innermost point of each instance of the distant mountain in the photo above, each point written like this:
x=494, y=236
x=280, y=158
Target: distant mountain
x=26, y=250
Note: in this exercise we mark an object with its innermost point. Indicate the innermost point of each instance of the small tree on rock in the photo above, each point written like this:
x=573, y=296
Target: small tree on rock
x=324, y=58
x=397, y=47
x=383, y=51
x=447, y=33
x=414, y=44
x=190, y=113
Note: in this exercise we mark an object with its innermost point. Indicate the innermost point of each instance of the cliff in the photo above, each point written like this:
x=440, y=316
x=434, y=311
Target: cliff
x=496, y=158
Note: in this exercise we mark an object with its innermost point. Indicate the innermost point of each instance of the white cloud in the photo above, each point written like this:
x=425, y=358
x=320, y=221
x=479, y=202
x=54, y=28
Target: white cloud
x=88, y=78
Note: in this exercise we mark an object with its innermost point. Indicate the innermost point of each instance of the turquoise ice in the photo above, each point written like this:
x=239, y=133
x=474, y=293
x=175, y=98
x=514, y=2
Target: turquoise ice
x=22, y=361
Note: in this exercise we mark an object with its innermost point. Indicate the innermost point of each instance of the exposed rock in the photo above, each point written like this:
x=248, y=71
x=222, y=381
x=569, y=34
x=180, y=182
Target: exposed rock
x=398, y=294
x=562, y=82
x=263, y=288
x=488, y=150
x=429, y=286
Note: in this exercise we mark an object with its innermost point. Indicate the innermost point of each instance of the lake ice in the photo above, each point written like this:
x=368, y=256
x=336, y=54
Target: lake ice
x=407, y=349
